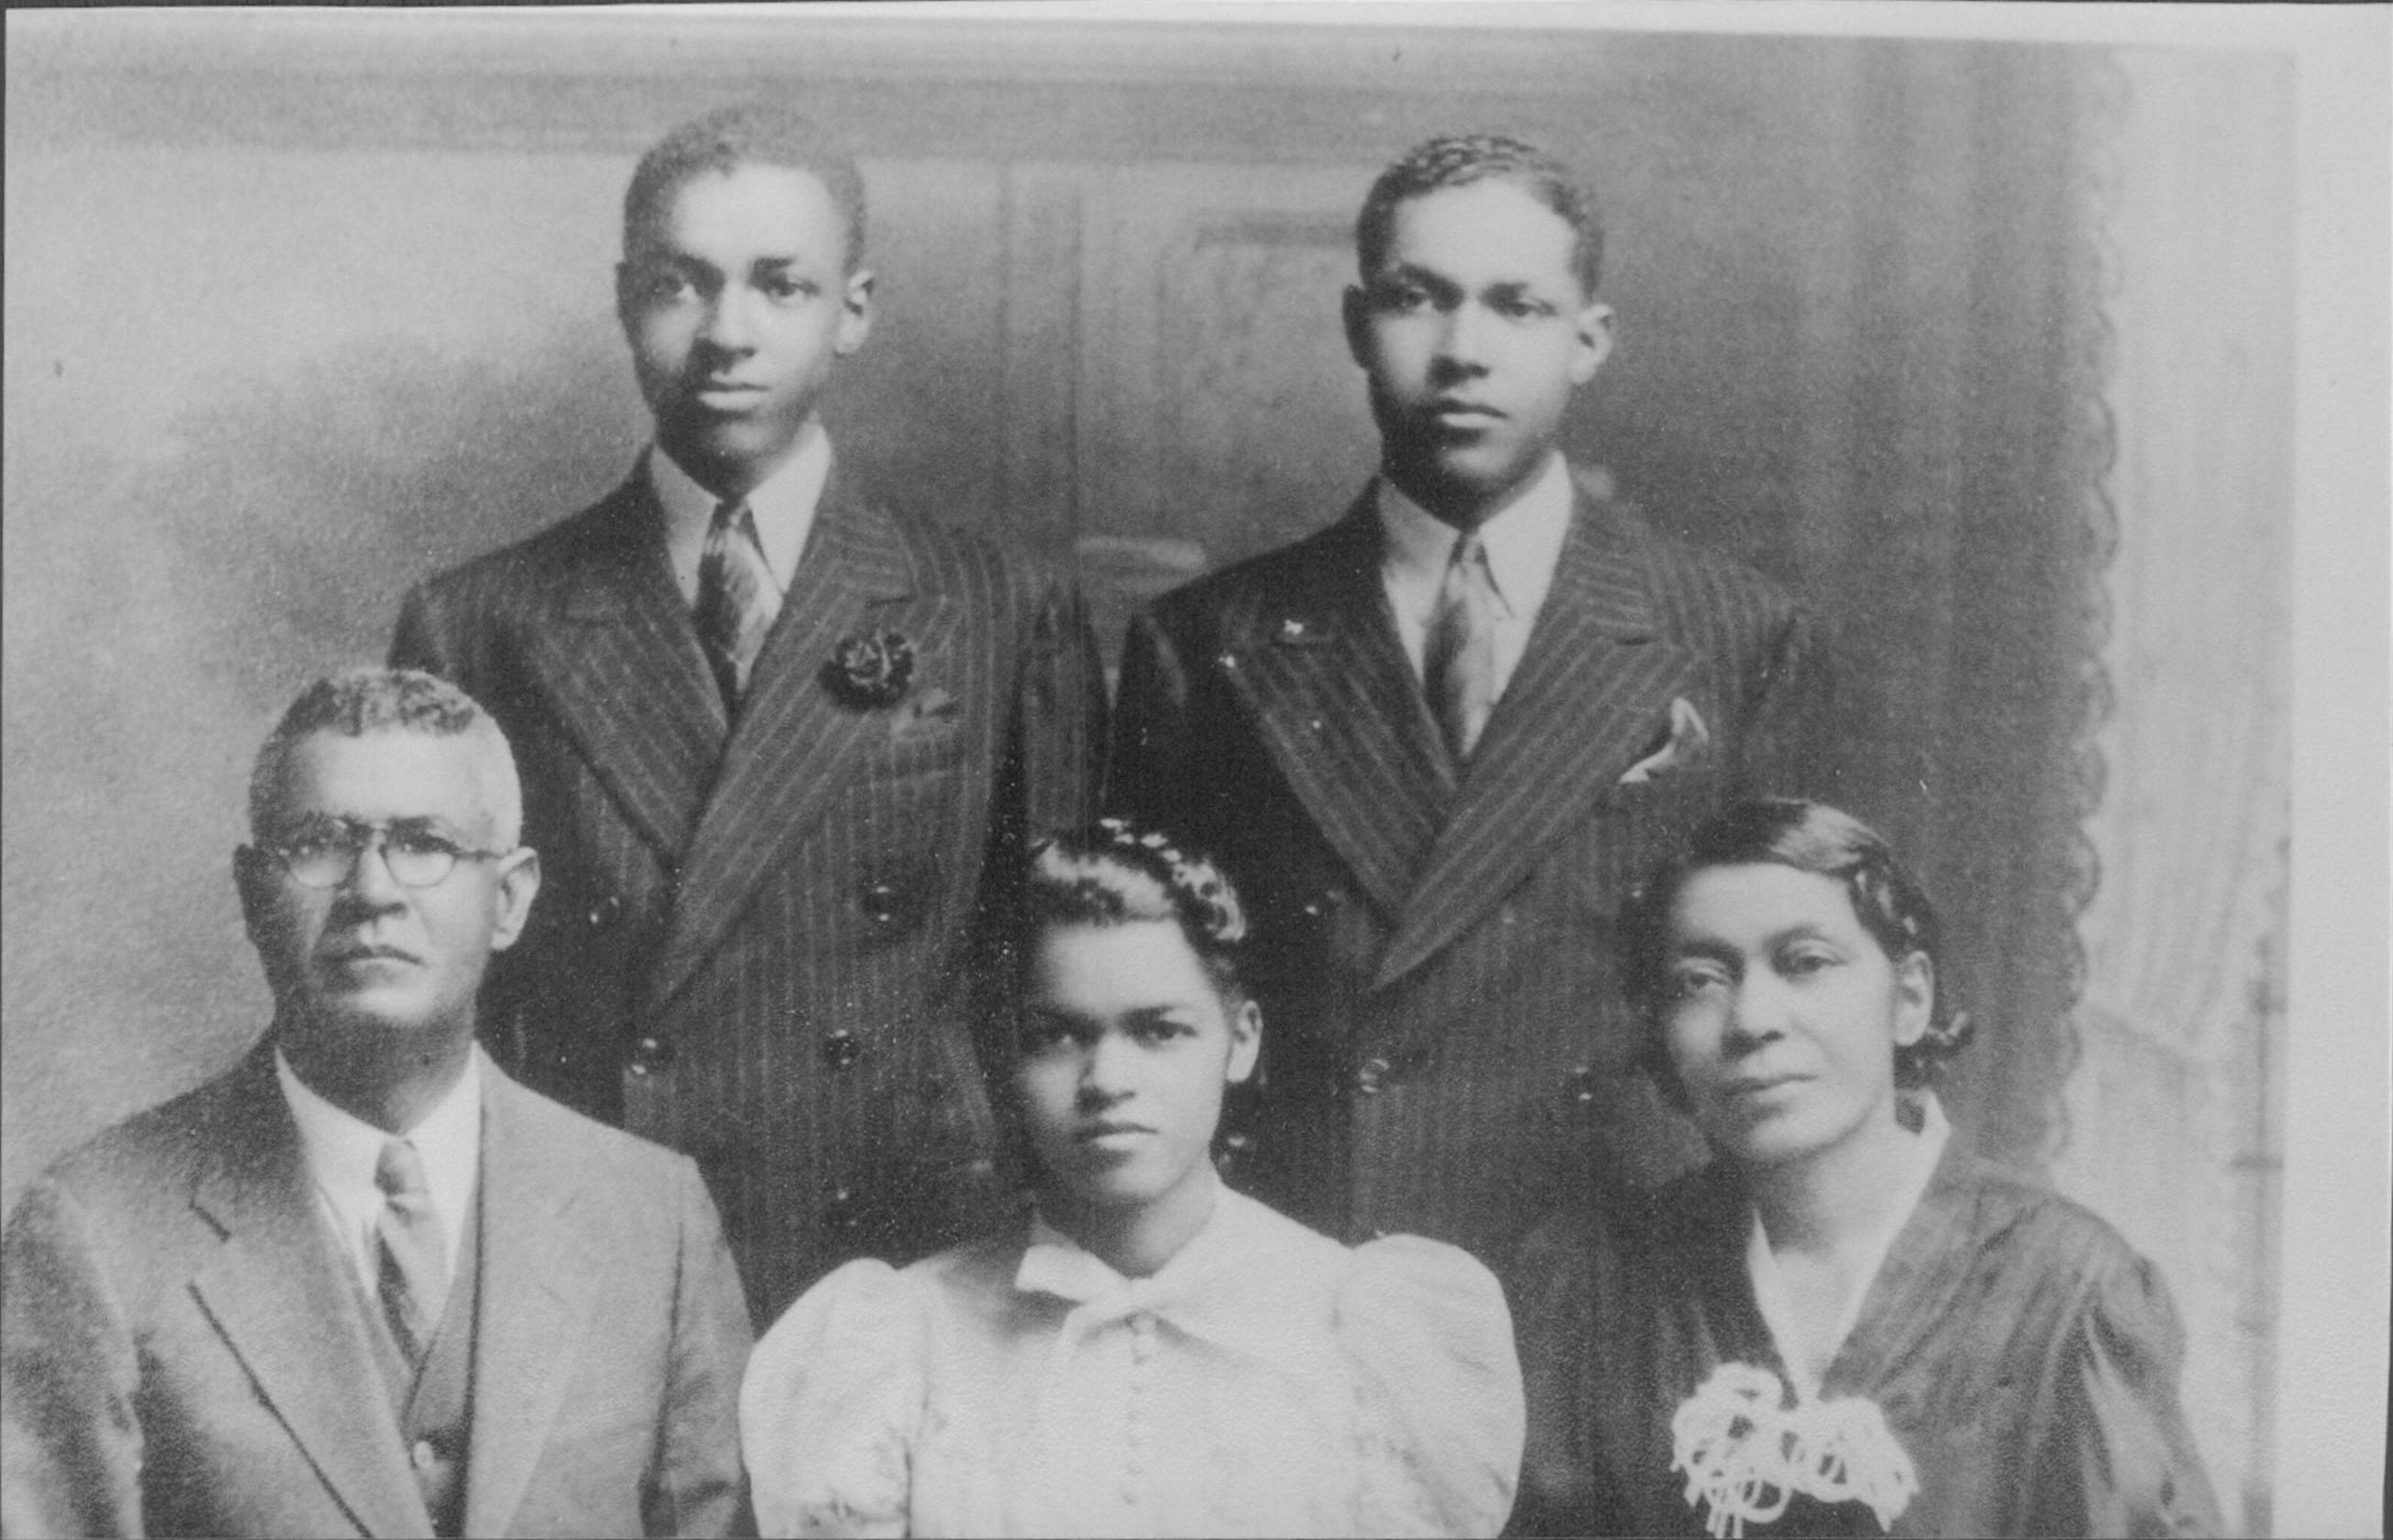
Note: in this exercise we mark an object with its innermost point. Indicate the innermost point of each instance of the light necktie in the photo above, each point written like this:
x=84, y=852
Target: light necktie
x=414, y=1257
x=736, y=601
x=1459, y=659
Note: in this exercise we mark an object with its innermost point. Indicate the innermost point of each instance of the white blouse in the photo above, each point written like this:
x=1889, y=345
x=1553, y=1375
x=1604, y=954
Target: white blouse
x=1266, y=1381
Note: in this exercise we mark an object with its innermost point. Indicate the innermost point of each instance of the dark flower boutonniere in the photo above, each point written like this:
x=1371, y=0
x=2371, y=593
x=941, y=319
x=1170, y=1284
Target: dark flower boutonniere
x=872, y=670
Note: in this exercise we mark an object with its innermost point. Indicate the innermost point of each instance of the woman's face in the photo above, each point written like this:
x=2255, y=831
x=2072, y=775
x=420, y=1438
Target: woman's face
x=1782, y=1012
x=1126, y=1050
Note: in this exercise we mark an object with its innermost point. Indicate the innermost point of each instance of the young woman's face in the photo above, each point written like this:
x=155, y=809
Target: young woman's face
x=1783, y=1013
x=1126, y=1050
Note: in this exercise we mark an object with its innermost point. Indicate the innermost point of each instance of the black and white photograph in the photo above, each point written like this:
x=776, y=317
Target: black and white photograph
x=1344, y=768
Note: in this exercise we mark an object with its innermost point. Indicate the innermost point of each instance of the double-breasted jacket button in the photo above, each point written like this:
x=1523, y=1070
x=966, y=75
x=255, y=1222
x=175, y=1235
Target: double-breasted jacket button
x=843, y=1213
x=1578, y=1086
x=842, y=1049
x=1372, y=1075
x=650, y=1056
x=605, y=910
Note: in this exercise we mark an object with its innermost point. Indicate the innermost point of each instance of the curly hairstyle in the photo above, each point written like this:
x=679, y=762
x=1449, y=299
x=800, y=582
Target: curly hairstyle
x=749, y=133
x=1460, y=160
x=1810, y=837
x=360, y=701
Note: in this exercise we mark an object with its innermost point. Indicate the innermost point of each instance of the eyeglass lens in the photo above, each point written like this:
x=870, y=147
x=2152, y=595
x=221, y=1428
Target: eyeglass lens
x=326, y=858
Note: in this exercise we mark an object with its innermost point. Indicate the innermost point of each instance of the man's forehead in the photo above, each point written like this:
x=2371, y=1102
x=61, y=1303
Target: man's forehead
x=1490, y=226
x=383, y=775
x=756, y=200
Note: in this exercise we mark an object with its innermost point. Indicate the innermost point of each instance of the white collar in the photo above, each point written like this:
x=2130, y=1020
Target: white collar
x=1055, y=1263
x=341, y=1149
x=1761, y=1263
x=783, y=505
x=1524, y=541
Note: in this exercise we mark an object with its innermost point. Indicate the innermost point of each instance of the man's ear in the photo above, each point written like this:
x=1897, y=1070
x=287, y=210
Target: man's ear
x=1355, y=311
x=625, y=298
x=855, y=313
x=253, y=878
x=1592, y=343
x=1246, y=1041
x=519, y=885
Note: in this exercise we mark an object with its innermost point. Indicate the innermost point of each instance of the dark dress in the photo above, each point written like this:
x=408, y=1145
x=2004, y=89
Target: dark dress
x=2023, y=1356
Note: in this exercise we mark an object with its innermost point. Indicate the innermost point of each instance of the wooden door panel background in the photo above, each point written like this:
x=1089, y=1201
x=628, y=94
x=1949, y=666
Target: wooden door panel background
x=1857, y=348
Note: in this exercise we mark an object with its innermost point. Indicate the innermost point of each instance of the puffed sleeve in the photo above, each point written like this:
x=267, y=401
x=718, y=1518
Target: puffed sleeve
x=830, y=1403
x=2117, y=1457
x=1425, y=1330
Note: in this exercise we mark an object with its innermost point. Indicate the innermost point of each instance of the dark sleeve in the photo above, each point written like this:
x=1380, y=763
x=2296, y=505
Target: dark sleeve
x=1062, y=715
x=71, y=1443
x=2117, y=1457
x=419, y=641
x=1554, y=1284
x=1147, y=756
x=698, y=1487
x=1789, y=747
x=1046, y=781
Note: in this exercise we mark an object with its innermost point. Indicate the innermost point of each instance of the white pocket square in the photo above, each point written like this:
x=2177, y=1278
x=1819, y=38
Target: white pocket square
x=1689, y=738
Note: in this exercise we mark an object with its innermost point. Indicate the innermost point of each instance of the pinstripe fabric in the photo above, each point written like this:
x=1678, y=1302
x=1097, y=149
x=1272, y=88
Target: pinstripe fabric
x=753, y=944
x=1445, y=1049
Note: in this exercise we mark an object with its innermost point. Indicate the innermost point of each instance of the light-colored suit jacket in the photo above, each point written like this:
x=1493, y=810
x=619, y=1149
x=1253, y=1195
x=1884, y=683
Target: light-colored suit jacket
x=754, y=942
x=1445, y=1047
x=181, y=1352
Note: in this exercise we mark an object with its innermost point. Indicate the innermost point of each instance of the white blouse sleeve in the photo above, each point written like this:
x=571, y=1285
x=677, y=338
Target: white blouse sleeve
x=1438, y=1389
x=830, y=1403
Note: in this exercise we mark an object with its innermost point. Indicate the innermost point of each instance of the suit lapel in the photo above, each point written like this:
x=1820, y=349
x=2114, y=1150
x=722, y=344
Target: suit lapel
x=796, y=739
x=1594, y=683
x=627, y=675
x=277, y=1295
x=1339, y=708
x=539, y=1281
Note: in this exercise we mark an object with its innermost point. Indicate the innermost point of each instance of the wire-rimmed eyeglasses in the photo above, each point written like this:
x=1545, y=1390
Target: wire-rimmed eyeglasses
x=325, y=853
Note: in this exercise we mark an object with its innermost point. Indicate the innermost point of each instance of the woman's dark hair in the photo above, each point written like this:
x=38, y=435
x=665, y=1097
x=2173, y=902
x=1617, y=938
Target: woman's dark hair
x=1115, y=873
x=1810, y=837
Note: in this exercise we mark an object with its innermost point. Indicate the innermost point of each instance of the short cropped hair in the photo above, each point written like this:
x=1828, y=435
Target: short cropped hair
x=750, y=134
x=1115, y=873
x=1810, y=837
x=391, y=701
x=1460, y=160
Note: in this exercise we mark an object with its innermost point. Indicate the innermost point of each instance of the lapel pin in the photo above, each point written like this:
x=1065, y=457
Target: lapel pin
x=1295, y=630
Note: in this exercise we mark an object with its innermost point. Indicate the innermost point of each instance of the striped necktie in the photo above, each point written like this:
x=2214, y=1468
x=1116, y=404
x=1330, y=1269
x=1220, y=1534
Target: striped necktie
x=736, y=599
x=1459, y=659
x=414, y=1281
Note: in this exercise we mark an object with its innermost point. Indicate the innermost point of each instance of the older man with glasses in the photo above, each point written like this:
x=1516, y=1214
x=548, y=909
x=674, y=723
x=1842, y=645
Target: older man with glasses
x=363, y=1284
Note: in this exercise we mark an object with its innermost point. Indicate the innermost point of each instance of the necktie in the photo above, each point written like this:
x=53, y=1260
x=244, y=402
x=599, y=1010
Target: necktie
x=1459, y=661
x=414, y=1258
x=735, y=599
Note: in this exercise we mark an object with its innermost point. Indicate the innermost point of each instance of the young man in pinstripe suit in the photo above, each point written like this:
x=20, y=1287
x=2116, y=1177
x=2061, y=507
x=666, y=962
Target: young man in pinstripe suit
x=1439, y=741
x=780, y=744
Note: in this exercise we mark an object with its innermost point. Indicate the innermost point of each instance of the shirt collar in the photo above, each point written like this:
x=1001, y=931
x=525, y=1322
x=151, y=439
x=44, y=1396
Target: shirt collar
x=1524, y=541
x=783, y=505
x=1055, y=1263
x=341, y=1149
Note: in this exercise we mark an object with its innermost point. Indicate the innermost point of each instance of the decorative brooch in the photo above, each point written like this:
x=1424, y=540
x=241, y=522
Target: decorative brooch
x=872, y=670
x=1746, y=1452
